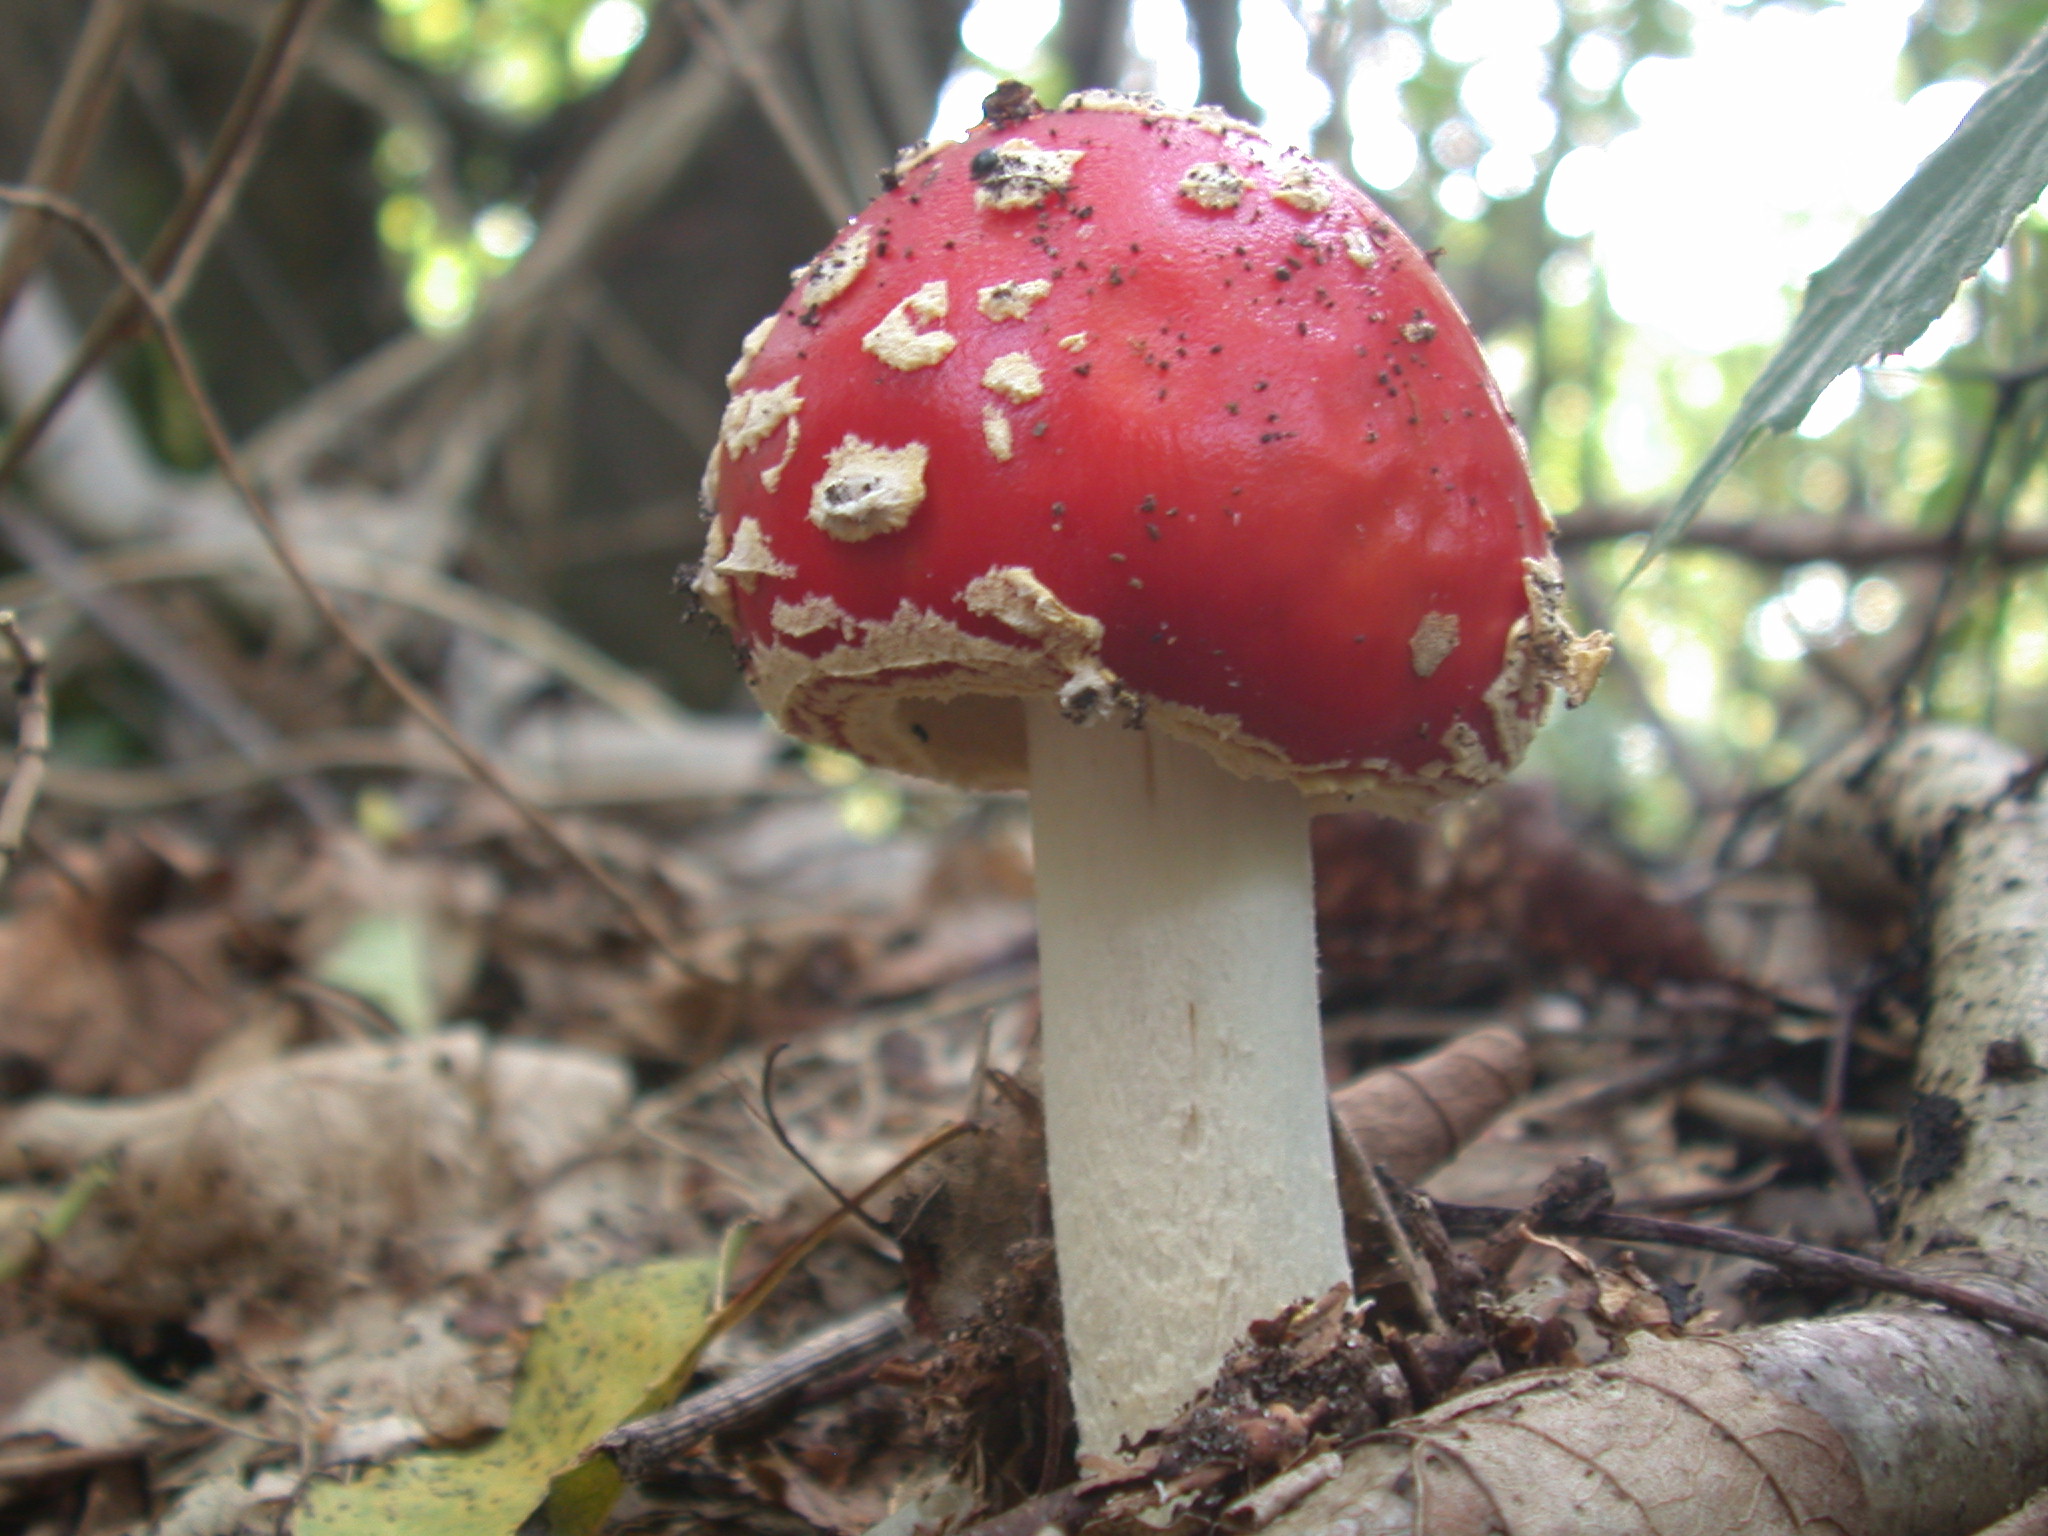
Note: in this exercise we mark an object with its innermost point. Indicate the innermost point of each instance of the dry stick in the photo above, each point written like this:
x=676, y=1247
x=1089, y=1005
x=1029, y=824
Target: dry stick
x=181, y=244
x=32, y=749
x=651, y=1446
x=92, y=78
x=1355, y=1169
x=291, y=324
x=757, y=1290
x=408, y=692
x=1943, y=614
x=424, y=591
x=1699, y=1199
x=788, y=1144
x=374, y=83
x=135, y=630
x=1794, y=539
x=797, y=140
x=1798, y=1259
x=615, y=180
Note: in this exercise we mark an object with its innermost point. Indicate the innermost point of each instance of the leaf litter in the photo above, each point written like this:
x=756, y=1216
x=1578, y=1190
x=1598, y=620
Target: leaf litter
x=412, y=1165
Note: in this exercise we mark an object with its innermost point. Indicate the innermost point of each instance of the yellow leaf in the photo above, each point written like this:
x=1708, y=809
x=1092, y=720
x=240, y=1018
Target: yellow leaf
x=610, y=1349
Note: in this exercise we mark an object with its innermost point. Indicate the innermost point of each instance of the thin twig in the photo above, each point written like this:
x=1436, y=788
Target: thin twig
x=423, y=590
x=1797, y=1259
x=92, y=79
x=651, y=1446
x=1943, y=613
x=151, y=646
x=776, y=104
x=32, y=738
x=1791, y=538
x=294, y=328
x=408, y=692
x=181, y=244
x=374, y=82
x=1700, y=1199
x=757, y=1290
x=1356, y=1168
x=783, y=1139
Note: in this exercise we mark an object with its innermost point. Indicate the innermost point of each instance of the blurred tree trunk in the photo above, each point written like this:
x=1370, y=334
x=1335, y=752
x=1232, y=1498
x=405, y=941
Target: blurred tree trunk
x=1215, y=24
x=1091, y=40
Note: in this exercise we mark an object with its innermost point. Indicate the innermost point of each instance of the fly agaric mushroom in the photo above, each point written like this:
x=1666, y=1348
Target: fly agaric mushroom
x=1120, y=455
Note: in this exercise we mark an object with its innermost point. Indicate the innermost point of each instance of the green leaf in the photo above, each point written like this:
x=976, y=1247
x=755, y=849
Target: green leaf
x=610, y=1349
x=382, y=957
x=1892, y=280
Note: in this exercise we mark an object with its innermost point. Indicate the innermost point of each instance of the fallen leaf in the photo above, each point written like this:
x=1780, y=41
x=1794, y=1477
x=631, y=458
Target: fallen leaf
x=610, y=1349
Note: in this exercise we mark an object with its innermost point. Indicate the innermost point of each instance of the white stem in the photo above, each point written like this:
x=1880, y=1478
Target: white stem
x=1189, y=1146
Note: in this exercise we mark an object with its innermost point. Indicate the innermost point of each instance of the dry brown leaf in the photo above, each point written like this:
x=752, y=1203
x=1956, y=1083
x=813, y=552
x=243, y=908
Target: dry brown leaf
x=1415, y=1117
x=104, y=990
x=289, y=1177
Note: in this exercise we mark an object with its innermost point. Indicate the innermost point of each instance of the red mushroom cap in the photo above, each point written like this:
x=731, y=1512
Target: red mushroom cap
x=1129, y=405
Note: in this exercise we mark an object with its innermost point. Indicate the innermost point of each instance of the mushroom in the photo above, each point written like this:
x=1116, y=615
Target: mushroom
x=1118, y=454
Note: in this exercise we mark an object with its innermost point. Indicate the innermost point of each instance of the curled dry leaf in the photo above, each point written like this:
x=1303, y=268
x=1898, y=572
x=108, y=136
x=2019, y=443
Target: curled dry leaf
x=280, y=1178
x=1415, y=1117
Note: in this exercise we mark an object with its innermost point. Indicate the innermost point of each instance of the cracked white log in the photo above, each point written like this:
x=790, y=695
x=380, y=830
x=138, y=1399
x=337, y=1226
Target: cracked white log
x=1901, y=1420
x=1187, y=1135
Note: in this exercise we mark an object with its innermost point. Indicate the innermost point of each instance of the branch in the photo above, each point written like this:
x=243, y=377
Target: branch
x=187, y=234
x=637, y=914
x=92, y=78
x=1901, y=1420
x=612, y=184
x=648, y=1447
x=1796, y=538
x=1801, y=1260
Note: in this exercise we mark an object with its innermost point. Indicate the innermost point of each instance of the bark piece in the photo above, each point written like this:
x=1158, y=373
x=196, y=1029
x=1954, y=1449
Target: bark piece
x=1903, y=1420
x=1673, y=1440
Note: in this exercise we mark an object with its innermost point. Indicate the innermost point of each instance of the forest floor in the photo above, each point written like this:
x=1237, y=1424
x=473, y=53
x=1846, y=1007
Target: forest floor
x=304, y=1135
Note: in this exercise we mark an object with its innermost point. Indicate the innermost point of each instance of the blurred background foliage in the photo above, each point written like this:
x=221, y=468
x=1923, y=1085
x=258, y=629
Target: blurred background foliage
x=1625, y=194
